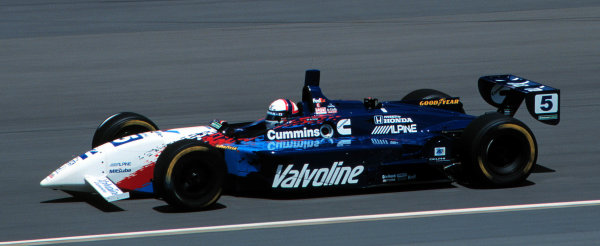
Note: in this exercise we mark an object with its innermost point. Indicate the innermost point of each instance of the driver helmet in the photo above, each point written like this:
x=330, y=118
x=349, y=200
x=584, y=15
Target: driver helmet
x=280, y=111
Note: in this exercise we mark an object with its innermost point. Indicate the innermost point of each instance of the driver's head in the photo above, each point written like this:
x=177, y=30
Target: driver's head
x=280, y=111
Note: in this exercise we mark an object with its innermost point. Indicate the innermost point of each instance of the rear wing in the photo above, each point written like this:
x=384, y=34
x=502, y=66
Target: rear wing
x=507, y=92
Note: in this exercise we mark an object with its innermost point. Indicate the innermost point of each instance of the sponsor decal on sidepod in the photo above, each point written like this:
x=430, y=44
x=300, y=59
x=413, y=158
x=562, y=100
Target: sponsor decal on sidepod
x=344, y=127
x=336, y=175
x=390, y=119
x=394, y=129
x=301, y=133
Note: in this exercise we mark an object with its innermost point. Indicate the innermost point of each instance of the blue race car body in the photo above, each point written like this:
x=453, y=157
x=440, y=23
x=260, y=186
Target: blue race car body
x=331, y=144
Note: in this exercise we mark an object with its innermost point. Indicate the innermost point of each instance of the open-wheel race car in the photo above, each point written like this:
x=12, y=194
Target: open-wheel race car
x=318, y=144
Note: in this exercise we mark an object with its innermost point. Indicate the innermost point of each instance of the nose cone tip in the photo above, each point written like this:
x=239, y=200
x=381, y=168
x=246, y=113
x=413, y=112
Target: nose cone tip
x=58, y=182
x=51, y=183
x=45, y=182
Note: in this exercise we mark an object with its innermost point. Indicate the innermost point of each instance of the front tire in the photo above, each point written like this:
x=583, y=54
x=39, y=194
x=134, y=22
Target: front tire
x=189, y=174
x=122, y=125
x=498, y=150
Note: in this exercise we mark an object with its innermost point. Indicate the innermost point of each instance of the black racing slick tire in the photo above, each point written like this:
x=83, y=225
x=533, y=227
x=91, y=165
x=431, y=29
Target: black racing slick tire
x=189, y=175
x=428, y=94
x=498, y=150
x=424, y=94
x=121, y=125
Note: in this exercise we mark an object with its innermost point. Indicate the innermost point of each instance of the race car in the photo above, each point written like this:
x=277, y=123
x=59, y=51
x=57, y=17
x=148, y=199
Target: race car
x=318, y=144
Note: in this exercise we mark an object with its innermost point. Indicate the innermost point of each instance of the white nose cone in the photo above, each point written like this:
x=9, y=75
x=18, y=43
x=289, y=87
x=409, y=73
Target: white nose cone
x=71, y=175
x=47, y=182
x=61, y=181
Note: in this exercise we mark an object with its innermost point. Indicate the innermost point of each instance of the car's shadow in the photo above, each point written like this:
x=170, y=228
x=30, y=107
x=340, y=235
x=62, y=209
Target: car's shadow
x=537, y=168
x=309, y=194
x=98, y=202
x=173, y=210
x=102, y=205
x=91, y=199
x=296, y=195
x=287, y=195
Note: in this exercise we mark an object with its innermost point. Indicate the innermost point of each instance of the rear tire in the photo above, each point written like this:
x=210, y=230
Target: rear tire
x=122, y=125
x=189, y=175
x=424, y=94
x=498, y=150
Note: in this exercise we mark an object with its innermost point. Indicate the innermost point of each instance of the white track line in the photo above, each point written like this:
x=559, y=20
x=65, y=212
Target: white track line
x=304, y=222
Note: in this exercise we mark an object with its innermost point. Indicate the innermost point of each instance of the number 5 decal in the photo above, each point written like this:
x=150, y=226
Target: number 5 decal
x=546, y=103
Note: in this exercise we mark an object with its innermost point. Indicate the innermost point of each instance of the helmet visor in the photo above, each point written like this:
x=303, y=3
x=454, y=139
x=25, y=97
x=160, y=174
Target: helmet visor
x=274, y=116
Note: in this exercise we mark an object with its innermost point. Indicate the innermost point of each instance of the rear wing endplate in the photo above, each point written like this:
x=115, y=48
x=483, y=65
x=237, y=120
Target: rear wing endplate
x=507, y=92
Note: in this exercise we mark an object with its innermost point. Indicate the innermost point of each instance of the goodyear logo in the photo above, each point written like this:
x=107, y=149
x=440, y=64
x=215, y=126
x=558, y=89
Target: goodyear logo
x=438, y=102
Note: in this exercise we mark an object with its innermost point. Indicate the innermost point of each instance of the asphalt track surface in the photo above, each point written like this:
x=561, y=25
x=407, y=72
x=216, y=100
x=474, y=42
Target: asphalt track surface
x=66, y=65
